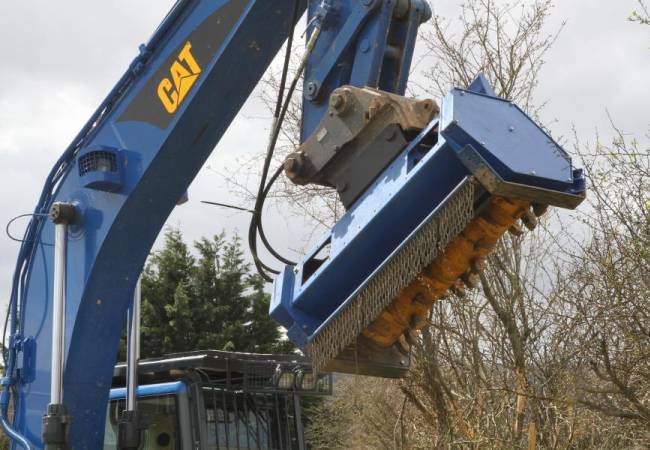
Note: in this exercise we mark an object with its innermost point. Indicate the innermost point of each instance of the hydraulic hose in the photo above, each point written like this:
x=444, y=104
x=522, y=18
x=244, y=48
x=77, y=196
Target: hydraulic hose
x=255, y=224
x=4, y=406
x=13, y=435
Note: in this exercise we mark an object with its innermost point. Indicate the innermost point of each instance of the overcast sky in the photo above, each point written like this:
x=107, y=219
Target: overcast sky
x=59, y=59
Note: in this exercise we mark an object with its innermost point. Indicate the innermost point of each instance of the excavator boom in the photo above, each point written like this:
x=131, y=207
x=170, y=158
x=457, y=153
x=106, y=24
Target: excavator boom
x=123, y=174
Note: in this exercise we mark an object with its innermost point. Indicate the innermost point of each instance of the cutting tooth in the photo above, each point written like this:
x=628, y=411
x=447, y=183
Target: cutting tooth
x=539, y=209
x=419, y=298
x=458, y=289
x=516, y=230
x=470, y=279
x=418, y=322
x=478, y=265
x=418, y=317
x=529, y=219
x=402, y=345
x=411, y=337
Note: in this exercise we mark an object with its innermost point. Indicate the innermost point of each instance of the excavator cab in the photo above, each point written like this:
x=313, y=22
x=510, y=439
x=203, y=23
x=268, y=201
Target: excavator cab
x=213, y=400
x=164, y=409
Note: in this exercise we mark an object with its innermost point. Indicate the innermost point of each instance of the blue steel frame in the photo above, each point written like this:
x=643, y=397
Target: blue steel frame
x=363, y=44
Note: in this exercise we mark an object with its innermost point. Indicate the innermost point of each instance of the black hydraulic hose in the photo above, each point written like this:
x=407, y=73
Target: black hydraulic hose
x=252, y=233
x=259, y=202
x=260, y=228
x=287, y=59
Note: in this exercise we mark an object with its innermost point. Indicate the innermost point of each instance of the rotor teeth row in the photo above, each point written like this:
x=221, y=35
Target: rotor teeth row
x=453, y=272
x=469, y=280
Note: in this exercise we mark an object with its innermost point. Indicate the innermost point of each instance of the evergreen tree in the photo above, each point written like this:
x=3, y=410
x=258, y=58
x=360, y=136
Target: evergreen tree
x=210, y=301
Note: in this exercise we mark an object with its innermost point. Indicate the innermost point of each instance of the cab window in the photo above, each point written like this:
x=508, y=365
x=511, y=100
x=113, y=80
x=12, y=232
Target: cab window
x=160, y=415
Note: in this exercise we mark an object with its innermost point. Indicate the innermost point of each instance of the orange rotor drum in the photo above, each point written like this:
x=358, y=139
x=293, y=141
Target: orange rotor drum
x=465, y=252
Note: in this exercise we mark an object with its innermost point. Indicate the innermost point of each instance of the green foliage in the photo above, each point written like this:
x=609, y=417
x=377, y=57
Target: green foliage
x=205, y=301
x=641, y=16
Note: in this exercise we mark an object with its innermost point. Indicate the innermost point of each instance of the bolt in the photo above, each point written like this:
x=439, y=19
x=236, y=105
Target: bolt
x=341, y=186
x=511, y=129
x=428, y=106
x=337, y=101
x=312, y=90
x=367, y=2
x=391, y=136
x=364, y=46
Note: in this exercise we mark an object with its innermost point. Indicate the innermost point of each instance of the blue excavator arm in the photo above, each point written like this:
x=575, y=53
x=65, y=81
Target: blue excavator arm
x=124, y=173
x=428, y=191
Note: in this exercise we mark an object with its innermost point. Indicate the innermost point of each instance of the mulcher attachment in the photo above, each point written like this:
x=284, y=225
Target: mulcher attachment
x=422, y=224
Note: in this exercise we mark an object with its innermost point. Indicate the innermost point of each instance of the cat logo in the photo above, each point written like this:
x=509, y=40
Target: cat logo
x=184, y=73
